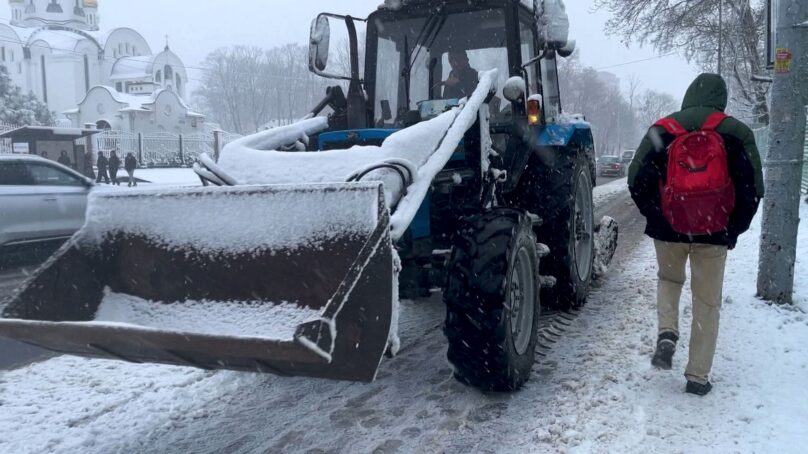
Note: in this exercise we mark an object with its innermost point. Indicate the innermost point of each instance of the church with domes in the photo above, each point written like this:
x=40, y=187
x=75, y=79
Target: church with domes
x=112, y=79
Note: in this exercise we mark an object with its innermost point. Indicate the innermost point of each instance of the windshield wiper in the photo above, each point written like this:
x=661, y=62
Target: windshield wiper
x=431, y=28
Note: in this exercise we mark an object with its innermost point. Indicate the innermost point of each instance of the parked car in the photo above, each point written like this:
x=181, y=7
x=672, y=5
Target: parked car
x=611, y=166
x=627, y=157
x=40, y=200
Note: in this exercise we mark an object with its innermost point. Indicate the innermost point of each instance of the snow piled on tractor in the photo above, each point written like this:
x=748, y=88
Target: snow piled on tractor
x=232, y=219
x=428, y=146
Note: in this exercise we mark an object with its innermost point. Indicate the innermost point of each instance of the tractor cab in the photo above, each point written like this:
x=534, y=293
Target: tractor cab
x=409, y=53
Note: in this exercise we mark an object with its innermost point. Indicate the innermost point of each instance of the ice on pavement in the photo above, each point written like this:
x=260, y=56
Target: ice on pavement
x=238, y=219
x=255, y=319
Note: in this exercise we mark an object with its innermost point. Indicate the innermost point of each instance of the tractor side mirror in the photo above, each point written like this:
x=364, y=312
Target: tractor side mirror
x=319, y=44
x=514, y=89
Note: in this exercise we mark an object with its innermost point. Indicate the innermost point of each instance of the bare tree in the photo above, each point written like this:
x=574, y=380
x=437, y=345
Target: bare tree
x=653, y=105
x=597, y=95
x=692, y=28
x=245, y=89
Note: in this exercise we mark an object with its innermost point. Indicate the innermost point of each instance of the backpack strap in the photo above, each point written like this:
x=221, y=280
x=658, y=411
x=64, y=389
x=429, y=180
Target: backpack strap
x=672, y=126
x=713, y=121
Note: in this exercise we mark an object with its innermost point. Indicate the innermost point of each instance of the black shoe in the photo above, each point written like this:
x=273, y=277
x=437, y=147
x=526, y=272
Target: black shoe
x=698, y=389
x=666, y=347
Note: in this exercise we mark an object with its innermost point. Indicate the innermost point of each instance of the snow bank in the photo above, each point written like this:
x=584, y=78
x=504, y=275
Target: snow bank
x=235, y=219
x=254, y=319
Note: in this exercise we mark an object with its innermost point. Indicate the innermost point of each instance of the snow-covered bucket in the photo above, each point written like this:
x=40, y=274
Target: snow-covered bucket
x=285, y=279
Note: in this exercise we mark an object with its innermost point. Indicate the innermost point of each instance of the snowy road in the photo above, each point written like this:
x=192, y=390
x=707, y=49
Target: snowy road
x=594, y=391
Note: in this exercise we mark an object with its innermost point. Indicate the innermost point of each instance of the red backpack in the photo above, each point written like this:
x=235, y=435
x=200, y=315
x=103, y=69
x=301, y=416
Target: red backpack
x=699, y=195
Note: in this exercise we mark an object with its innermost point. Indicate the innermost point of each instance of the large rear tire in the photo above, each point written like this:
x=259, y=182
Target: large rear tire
x=492, y=300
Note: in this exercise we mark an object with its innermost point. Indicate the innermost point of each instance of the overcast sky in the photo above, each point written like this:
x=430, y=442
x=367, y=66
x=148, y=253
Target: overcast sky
x=196, y=27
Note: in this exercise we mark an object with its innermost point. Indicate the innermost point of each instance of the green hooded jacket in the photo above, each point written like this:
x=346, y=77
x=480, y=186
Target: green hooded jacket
x=706, y=95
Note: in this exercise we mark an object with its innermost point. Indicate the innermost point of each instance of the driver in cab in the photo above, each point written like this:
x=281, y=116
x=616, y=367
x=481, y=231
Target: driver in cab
x=463, y=79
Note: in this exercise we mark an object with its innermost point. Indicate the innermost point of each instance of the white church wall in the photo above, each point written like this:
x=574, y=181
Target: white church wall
x=14, y=55
x=122, y=42
x=40, y=49
x=100, y=105
x=63, y=83
x=74, y=62
x=85, y=76
x=168, y=59
x=41, y=15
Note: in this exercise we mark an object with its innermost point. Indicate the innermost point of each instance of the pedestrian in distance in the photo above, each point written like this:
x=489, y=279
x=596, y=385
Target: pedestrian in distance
x=64, y=159
x=114, y=165
x=130, y=164
x=88, y=166
x=102, y=164
x=697, y=179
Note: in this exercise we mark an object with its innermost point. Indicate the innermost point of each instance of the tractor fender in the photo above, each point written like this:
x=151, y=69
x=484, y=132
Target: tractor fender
x=555, y=144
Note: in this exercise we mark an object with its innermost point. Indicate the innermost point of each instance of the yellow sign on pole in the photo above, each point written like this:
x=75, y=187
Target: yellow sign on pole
x=782, y=60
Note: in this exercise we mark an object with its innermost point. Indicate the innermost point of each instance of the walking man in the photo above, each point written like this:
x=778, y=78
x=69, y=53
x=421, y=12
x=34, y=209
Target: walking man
x=114, y=165
x=697, y=179
x=102, y=164
x=130, y=164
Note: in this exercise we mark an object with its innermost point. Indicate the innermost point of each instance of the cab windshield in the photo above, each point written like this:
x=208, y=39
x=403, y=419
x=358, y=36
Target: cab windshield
x=435, y=58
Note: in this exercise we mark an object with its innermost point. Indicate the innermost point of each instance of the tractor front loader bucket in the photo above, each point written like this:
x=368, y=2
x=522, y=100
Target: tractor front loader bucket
x=289, y=280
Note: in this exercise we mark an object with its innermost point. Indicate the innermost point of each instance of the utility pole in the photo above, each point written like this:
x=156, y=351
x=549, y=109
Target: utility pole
x=778, y=240
x=720, y=37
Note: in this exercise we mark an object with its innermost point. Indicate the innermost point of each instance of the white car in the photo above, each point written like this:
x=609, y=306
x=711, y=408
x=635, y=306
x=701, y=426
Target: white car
x=40, y=200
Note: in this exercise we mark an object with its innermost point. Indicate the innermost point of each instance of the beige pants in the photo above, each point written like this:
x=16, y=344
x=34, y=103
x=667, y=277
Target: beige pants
x=707, y=281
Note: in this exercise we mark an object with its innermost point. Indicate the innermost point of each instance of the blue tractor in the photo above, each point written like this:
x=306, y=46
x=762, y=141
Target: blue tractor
x=445, y=163
x=496, y=229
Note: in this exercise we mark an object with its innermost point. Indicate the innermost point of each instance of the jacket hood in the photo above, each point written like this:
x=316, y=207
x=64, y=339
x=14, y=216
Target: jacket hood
x=708, y=90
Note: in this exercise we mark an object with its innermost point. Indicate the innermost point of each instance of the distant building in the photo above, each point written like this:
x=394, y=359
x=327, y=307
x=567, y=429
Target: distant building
x=55, y=49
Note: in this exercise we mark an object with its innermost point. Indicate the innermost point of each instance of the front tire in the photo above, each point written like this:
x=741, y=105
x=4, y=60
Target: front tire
x=568, y=210
x=559, y=190
x=492, y=300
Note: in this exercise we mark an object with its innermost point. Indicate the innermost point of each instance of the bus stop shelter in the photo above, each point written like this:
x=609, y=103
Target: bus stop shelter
x=49, y=142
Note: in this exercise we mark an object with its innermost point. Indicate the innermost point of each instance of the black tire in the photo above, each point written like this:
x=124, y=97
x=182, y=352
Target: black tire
x=547, y=188
x=492, y=341
x=573, y=273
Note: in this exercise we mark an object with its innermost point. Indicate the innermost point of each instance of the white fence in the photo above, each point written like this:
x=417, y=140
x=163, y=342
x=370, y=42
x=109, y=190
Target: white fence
x=159, y=149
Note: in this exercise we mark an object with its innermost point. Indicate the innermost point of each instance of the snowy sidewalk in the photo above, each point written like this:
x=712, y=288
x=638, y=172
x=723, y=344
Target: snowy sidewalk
x=612, y=400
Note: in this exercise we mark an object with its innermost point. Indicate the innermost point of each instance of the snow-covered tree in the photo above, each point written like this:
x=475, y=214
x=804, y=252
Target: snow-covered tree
x=18, y=108
x=691, y=27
